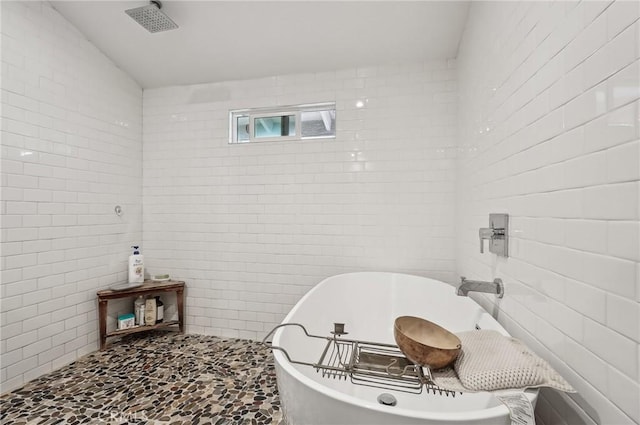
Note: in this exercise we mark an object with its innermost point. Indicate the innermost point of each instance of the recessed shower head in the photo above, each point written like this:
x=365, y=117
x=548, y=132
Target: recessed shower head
x=151, y=17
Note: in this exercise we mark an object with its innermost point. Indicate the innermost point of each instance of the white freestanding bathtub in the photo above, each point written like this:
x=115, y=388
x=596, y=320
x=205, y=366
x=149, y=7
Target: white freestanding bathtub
x=368, y=303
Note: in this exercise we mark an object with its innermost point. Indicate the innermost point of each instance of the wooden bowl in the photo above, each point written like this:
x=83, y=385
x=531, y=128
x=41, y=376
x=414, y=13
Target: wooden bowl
x=425, y=343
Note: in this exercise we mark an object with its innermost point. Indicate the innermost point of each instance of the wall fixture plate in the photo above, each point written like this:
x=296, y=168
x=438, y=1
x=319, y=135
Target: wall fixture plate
x=497, y=234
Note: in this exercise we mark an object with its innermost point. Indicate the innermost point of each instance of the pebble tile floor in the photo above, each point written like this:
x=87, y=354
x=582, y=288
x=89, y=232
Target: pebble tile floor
x=155, y=378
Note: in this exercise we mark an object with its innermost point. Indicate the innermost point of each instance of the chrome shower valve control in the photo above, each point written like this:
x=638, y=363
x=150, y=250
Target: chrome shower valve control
x=485, y=234
x=496, y=234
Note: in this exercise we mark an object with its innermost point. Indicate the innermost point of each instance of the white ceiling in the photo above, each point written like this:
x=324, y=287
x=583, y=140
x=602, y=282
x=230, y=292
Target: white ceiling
x=232, y=40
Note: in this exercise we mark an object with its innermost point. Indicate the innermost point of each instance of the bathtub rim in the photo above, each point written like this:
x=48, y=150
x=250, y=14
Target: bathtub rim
x=282, y=362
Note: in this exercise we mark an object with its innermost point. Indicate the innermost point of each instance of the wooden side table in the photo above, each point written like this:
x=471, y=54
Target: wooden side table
x=148, y=287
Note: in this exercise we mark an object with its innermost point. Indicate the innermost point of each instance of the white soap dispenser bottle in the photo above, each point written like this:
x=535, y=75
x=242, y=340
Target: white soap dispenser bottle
x=136, y=266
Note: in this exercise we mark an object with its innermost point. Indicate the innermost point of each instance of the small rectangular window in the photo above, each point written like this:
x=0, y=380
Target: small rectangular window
x=321, y=123
x=274, y=126
x=284, y=123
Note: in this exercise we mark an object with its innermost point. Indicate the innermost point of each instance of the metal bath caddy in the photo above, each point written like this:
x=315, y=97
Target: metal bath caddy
x=366, y=363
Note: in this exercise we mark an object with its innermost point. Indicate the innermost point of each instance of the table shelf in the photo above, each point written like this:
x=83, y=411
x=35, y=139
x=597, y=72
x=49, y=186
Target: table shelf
x=144, y=328
x=147, y=288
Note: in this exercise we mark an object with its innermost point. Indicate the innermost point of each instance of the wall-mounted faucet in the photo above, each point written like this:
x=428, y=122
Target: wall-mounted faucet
x=466, y=286
x=497, y=234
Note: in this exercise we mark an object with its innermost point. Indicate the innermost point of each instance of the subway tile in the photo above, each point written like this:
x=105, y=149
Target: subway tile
x=624, y=239
x=623, y=316
x=586, y=107
x=624, y=47
x=11, y=248
x=587, y=235
x=611, y=202
x=588, y=365
x=21, y=234
x=9, y=331
x=11, y=357
x=601, y=407
x=614, y=348
x=561, y=203
x=615, y=55
x=624, y=86
x=550, y=231
x=551, y=337
x=615, y=128
x=20, y=261
x=565, y=319
x=10, y=195
x=620, y=15
x=594, y=11
x=35, y=348
x=46, y=357
x=11, y=303
x=22, y=366
x=22, y=340
x=586, y=299
x=15, y=285
x=586, y=170
x=588, y=41
x=10, y=221
x=37, y=372
x=623, y=162
x=610, y=273
x=625, y=391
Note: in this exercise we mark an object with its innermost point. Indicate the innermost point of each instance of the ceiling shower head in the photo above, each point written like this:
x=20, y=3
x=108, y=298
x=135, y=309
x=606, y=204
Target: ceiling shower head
x=151, y=17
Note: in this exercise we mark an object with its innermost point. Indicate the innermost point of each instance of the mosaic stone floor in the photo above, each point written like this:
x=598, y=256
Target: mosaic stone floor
x=155, y=378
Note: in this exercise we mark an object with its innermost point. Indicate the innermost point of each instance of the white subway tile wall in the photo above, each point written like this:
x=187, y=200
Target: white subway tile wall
x=252, y=227
x=71, y=151
x=544, y=127
x=549, y=134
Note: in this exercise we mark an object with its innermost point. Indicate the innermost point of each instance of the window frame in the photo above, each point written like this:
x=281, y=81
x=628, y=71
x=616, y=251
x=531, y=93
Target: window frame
x=277, y=111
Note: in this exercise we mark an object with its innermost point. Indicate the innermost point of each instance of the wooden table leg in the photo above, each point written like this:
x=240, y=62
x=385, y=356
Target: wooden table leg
x=102, y=320
x=180, y=301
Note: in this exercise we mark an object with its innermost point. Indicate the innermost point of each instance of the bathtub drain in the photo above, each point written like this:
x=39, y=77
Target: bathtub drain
x=387, y=399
